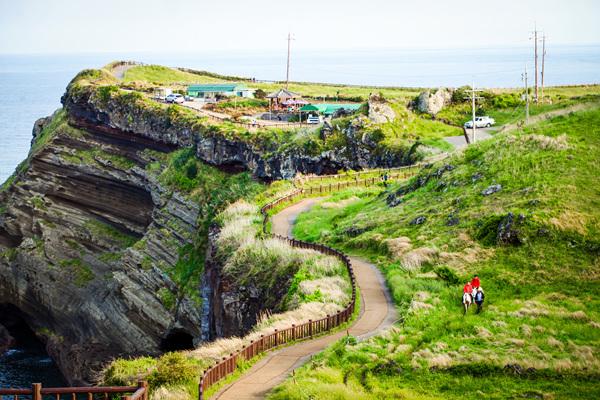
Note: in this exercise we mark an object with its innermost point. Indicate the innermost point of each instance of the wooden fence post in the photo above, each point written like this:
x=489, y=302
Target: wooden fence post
x=143, y=385
x=310, y=327
x=36, y=389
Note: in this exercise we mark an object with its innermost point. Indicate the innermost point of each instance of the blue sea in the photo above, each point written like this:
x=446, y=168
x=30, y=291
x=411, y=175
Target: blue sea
x=31, y=85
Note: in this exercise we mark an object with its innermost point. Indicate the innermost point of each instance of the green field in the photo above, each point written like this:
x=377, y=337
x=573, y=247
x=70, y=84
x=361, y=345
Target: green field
x=539, y=333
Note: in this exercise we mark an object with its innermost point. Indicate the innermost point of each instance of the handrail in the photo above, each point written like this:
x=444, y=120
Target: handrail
x=358, y=173
x=36, y=392
x=307, y=330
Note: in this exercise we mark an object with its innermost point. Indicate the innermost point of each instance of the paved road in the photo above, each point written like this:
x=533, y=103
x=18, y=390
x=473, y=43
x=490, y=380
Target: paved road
x=460, y=141
x=377, y=312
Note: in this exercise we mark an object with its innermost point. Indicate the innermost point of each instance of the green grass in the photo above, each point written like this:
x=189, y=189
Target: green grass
x=160, y=75
x=106, y=231
x=82, y=273
x=542, y=310
x=98, y=157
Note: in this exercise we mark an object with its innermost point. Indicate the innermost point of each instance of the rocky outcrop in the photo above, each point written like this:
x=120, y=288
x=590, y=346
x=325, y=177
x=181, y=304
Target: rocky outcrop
x=380, y=111
x=432, y=102
x=6, y=339
x=86, y=239
x=231, y=309
x=266, y=160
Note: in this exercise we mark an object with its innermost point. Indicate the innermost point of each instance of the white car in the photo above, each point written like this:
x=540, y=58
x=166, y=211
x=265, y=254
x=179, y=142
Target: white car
x=480, y=122
x=313, y=120
x=175, y=98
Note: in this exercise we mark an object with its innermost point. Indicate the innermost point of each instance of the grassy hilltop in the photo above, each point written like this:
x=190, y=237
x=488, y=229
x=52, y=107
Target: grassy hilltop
x=534, y=243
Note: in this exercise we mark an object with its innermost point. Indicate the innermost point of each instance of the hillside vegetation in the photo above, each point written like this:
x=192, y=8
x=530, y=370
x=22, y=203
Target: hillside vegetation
x=522, y=210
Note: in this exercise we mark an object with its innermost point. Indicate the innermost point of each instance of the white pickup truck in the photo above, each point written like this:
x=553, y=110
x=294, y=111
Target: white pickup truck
x=480, y=122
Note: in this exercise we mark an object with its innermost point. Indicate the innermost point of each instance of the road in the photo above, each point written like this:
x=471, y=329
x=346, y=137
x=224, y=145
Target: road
x=377, y=313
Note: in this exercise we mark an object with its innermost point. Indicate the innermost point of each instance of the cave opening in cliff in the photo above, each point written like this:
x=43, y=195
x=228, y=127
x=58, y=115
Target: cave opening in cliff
x=23, y=356
x=177, y=340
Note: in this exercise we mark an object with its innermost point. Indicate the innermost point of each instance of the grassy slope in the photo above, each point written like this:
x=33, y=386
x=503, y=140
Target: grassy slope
x=542, y=297
x=555, y=98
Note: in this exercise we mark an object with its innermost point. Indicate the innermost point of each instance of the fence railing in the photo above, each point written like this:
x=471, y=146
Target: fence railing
x=37, y=392
x=309, y=329
x=355, y=174
x=228, y=365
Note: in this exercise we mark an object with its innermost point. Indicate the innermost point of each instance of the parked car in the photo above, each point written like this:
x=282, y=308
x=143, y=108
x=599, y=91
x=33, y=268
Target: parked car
x=175, y=98
x=480, y=122
x=314, y=119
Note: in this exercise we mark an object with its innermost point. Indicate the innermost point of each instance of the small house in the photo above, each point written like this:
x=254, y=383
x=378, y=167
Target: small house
x=212, y=90
x=283, y=98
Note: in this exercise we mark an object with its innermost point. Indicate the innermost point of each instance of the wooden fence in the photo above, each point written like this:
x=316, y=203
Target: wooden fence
x=37, y=392
x=410, y=168
x=309, y=329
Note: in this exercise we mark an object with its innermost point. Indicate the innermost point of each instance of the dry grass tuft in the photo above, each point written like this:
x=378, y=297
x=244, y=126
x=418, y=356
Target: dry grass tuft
x=398, y=246
x=483, y=333
x=546, y=142
x=169, y=393
x=578, y=315
x=339, y=203
x=555, y=342
x=526, y=330
x=414, y=259
x=333, y=289
x=570, y=220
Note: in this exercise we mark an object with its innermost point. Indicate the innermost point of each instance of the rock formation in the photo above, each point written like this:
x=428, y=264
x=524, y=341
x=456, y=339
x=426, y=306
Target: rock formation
x=433, y=102
x=89, y=236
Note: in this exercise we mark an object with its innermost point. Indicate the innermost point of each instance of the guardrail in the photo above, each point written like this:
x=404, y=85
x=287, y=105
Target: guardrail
x=358, y=173
x=228, y=365
x=309, y=329
x=37, y=392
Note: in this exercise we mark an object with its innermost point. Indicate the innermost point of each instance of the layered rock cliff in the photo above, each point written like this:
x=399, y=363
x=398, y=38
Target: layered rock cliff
x=86, y=235
x=101, y=256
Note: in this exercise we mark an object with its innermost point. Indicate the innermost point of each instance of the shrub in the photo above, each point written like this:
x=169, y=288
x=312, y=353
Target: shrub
x=173, y=369
x=447, y=274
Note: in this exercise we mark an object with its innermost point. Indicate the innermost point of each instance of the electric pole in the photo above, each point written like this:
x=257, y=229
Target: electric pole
x=473, y=97
x=287, y=75
x=535, y=50
x=543, y=61
x=524, y=77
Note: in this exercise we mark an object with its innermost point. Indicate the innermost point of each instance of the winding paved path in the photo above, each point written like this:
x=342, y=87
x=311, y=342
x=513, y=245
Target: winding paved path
x=377, y=312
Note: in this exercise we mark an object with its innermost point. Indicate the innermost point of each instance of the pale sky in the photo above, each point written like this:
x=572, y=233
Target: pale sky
x=72, y=26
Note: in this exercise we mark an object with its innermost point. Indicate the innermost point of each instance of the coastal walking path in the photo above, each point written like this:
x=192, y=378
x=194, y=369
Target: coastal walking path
x=377, y=312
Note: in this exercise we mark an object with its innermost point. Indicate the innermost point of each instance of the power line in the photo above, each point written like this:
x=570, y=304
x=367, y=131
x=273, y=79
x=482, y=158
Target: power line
x=535, y=51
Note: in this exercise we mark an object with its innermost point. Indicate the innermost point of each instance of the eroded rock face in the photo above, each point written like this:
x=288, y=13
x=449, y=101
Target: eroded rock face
x=6, y=339
x=84, y=246
x=232, y=309
x=432, y=103
x=114, y=118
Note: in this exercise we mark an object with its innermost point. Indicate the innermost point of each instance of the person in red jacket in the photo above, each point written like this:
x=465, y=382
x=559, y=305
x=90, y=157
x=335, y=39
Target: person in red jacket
x=468, y=288
x=475, y=282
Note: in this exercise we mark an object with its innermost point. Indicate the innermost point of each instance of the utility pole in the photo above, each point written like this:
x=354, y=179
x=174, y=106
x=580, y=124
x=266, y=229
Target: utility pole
x=535, y=50
x=287, y=75
x=543, y=61
x=473, y=97
x=524, y=77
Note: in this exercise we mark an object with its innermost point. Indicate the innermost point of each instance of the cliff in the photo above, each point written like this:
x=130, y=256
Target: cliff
x=103, y=227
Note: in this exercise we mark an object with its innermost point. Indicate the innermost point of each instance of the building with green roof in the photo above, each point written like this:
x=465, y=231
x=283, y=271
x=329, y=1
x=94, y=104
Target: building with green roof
x=329, y=109
x=211, y=90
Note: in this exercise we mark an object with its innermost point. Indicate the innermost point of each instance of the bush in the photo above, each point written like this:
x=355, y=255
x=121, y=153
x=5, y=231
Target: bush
x=446, y=274
x=173, y=369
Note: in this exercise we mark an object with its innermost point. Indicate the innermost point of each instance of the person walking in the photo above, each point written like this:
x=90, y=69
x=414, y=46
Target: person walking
x=479, y=297
x=475, y=282
x=467, y=297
